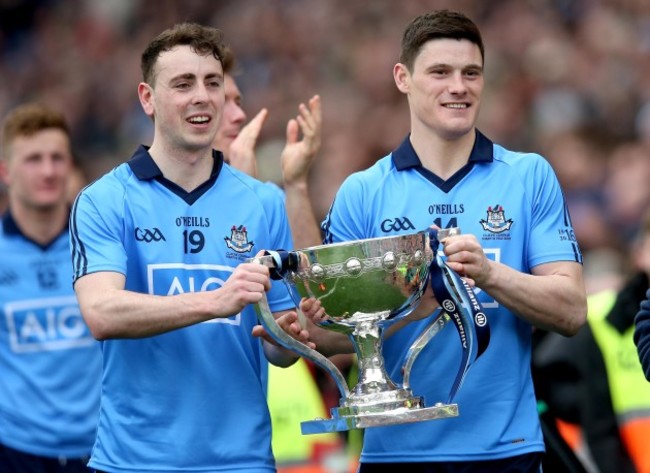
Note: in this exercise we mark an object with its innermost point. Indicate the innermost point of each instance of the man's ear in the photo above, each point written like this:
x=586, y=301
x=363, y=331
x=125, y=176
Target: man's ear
x=145, y=94
x=401, y=75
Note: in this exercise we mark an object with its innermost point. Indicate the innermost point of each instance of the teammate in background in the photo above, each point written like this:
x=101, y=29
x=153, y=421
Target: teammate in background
x=50, y=365
x=159, y=246
x=237, y=142
x=517, y=248
x=293, y=394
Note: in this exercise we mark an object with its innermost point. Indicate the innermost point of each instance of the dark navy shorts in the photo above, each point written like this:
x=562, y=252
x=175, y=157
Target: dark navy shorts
x=528, y=463
x=14, y=461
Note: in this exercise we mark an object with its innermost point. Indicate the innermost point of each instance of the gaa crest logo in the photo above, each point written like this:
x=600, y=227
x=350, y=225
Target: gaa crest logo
x=496, y=220
x=238, y=240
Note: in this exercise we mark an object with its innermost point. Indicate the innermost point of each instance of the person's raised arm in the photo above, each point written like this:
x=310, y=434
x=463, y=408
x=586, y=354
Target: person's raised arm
x=297, y=157
x=241, y=153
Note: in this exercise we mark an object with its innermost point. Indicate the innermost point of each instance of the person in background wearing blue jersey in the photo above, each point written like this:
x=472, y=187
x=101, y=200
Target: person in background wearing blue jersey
x=50, y=365
x=159, y=251
x=237, y=142
x=517, y=249
x=293, y=393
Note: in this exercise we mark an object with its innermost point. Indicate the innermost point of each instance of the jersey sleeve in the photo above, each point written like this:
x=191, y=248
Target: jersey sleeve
x=552, y=237
x=96, y=237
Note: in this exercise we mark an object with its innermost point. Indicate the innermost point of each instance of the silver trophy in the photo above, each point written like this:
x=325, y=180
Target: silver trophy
x=364, y=286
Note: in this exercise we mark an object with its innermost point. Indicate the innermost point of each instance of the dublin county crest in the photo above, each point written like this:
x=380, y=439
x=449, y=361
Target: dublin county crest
x=238, y=240
x=496, y=220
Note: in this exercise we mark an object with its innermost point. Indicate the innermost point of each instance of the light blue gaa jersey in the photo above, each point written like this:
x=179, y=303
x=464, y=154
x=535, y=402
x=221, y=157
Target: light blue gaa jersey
x=50, y=365
x=192, y=399
x=513, y=204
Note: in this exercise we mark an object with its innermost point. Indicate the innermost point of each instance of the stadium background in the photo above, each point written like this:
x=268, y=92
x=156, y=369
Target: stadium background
x=567, y=78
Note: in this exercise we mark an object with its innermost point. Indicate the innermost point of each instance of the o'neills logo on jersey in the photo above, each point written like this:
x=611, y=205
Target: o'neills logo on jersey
x=238, y=240
x=496, y=220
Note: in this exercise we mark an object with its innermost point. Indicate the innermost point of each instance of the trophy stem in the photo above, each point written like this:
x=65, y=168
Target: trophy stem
x=376, y=400
x=373, y=377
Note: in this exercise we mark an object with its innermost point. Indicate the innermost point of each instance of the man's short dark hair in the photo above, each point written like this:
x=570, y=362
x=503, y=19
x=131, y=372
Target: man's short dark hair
x=202, y=39
x=439, y=24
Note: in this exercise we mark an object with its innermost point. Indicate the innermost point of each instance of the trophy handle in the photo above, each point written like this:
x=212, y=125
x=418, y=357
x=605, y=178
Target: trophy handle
x=267, y=320
x=435, y=326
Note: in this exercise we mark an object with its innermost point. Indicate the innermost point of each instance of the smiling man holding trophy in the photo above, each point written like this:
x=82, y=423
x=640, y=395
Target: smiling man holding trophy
x=517, y=251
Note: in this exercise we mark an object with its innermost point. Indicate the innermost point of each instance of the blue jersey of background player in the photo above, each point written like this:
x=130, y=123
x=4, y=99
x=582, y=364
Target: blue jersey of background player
x=517, y=248
x=159, y=246
x=50, y=364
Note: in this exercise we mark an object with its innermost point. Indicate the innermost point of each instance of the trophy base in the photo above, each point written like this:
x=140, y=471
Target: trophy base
x=378, y=419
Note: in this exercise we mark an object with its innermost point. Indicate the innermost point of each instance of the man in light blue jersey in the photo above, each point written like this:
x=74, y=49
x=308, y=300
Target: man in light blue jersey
x=159, y=250
x=517, y=248
x=50, y=365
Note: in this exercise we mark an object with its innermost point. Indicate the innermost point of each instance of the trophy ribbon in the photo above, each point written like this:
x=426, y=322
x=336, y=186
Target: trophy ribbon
x=458, y=301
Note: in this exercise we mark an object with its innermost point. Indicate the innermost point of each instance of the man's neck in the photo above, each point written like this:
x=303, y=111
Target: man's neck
x=443, y=157
x=40, y=225
x=187, y=170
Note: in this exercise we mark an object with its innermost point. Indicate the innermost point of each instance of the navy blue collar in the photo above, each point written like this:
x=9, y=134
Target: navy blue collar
x=10, y=227
x=145, y=168
x=405, y=157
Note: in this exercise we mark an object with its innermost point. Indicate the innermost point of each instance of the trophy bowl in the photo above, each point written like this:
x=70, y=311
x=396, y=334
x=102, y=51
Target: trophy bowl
x=364, y=286
x=374, y=280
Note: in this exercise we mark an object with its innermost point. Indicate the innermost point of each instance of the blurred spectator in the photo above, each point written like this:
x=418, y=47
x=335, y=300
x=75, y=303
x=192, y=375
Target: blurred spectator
x=596, y=380
x=578, y=157
x=627, y=193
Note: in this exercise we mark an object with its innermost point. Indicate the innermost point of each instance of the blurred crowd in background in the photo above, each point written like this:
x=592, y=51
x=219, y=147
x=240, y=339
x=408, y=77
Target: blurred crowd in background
x=569, y=79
